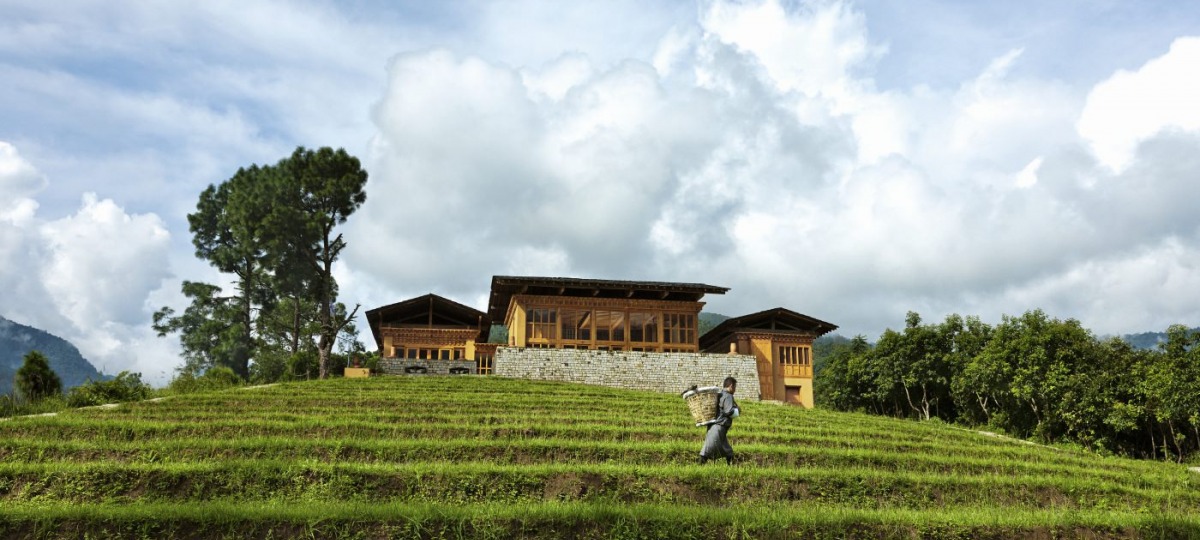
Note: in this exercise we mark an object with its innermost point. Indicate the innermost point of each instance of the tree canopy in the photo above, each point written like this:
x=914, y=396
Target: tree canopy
x=1031, y=376
x=35, y=380
x=272, y=228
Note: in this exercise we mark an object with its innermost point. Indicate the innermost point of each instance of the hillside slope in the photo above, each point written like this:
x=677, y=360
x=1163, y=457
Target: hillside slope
x=473, y=457
x=16, y=340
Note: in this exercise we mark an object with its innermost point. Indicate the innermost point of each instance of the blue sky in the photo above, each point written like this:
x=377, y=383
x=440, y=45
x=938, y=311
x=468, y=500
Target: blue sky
x=848, y=160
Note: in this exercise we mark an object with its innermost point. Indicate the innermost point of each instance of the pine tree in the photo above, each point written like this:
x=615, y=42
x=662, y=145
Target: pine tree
x=35, y=380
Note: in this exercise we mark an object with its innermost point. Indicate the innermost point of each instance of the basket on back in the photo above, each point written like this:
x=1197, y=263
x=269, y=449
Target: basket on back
x=702, y=402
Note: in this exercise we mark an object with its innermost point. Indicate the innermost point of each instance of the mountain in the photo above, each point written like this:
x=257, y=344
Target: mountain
x=1148, y=340
x=16, y=340
x=709, y=320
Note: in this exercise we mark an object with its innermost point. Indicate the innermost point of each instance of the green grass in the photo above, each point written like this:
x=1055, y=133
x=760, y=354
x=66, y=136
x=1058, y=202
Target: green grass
x=470, y=457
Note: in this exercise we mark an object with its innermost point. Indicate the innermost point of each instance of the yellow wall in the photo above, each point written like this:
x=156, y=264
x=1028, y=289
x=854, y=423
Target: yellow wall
x=764, y=353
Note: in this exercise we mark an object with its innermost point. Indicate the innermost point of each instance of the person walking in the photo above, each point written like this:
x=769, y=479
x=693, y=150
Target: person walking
x=716, y=441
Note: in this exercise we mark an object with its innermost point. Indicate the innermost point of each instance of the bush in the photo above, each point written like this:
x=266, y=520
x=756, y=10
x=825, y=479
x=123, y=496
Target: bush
x=125, y=387
x=35, y=380
x=217, y=378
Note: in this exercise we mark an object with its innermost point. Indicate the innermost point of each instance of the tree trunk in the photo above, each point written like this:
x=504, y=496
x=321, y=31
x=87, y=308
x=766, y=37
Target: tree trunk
x=1175, y=441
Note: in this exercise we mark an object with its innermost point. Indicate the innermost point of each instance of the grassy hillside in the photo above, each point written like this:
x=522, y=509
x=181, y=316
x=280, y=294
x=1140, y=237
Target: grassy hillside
x=469, y=457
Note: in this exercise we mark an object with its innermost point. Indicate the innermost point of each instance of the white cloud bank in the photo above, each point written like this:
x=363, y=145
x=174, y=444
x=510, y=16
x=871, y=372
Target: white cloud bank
x=85, y=277
x=756, y=152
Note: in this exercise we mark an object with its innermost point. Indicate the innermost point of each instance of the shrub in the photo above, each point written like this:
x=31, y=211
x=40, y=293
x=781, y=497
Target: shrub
x=125, y=387
x=35, y=380
x=216, y=378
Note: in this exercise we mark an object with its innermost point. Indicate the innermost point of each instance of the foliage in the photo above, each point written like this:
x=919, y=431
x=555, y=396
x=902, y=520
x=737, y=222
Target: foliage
x=272, y=229
x=217, y=378
x=126, y=386
x=1031, y=376
x=35, y=380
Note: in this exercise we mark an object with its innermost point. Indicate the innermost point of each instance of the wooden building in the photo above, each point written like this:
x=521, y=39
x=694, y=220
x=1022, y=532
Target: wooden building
x=432, y=327
x=429, y=333
x=781, y=342
x=597, y=314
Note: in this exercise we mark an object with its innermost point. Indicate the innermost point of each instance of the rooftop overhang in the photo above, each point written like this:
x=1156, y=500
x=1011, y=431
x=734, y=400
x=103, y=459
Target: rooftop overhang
x=505, y=287
x=777, y=320
x=428, y=311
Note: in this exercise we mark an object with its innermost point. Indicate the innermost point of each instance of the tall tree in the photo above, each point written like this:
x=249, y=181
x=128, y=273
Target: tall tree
x=35, y=380
x=319, y=190
x=229, y=231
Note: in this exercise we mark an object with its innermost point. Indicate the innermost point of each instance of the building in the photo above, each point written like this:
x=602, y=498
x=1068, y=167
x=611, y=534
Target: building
x=596, y=314
x=781, y=342
x=431, y=334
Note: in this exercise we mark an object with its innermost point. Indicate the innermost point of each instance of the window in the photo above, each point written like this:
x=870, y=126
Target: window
x=411, y=353
x=483, y=364
x=679, y=328
x=643, y=327
x=796, y=361
x=577, y=324
x=543, y=323
x=610, y=326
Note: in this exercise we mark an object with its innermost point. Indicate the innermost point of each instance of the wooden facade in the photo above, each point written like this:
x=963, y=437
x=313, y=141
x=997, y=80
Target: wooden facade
x=781, y=342
x=570, y=313
x=431, y=327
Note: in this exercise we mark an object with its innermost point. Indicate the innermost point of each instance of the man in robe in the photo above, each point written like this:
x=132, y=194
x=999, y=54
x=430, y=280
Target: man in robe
x=716, y=442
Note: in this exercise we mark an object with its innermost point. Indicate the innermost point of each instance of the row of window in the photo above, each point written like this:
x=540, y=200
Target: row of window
x=604, y=325
x=429, y=353
x=796, y=361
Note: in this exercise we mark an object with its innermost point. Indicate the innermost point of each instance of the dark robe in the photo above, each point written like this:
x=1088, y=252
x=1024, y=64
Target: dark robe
x=716, y=443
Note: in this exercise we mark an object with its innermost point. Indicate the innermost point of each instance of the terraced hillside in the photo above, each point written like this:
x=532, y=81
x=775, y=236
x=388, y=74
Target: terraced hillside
x=469, y=457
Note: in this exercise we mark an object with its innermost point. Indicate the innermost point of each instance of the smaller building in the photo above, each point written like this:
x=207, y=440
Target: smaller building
x=781, y=342
x=432, y=334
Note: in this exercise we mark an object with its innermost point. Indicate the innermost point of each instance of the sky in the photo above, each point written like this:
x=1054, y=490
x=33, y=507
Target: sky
x=851, y=161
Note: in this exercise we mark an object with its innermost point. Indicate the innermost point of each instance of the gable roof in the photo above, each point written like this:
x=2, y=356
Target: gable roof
x=504, y=287
x=429, y=310
x=781, y=320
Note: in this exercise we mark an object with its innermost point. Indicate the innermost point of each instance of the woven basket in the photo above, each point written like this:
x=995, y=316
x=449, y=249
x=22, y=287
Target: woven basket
x=702, y=402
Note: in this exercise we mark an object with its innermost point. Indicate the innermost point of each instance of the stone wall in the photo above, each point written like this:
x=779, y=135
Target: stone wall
x=659, y=372
x=414, y=366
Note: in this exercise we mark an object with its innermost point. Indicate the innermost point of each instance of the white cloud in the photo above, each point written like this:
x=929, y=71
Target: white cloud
x=757, y=153
x=84, y=277
x=1132, y=106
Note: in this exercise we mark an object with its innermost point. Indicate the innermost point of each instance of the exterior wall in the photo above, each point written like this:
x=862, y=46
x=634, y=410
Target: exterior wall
x=660, y=372
x=398, y=366
x=425, y=337
x=779, y=383
x=520, y=304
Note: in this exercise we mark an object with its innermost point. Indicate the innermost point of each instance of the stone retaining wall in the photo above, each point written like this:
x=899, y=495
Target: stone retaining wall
x=414, y=366
x=659, y=372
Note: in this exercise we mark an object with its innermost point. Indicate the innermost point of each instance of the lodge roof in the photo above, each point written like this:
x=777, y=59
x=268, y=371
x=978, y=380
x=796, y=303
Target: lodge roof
x=504, y=287
x=430, y=311
x=778, y=319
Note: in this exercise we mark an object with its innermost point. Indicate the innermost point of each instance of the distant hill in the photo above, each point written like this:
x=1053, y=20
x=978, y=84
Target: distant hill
x=16, y=340
x=709, y=320
x=1148, y=340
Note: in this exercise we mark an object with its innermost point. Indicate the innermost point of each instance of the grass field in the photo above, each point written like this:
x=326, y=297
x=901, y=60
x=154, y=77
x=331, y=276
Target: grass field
x=471, y=457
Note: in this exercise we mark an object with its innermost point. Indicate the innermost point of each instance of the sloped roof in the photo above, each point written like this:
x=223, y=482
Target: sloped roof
x=778, y=319
x=429, y=310
x=504, y=287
